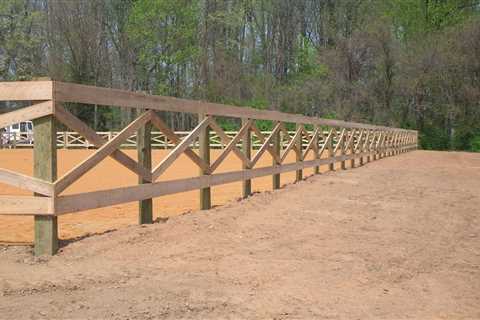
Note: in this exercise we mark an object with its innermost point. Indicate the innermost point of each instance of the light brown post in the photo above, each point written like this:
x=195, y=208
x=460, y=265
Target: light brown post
x=247, y=150
x=45, y=168
x=204, y=153
x=316, y=132
x=343, y=149
x=331, y=153
x=352, y=148
x=144, y=151
x=361, y=144
x=299, y=153
x=276, y=149
x=368, y=144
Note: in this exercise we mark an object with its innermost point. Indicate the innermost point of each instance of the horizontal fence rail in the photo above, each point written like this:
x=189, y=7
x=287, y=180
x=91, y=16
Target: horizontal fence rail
x=325, y=141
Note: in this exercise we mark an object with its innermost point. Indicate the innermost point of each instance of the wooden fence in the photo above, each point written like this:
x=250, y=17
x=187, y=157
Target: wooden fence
x=74, y=140
x=330, y=141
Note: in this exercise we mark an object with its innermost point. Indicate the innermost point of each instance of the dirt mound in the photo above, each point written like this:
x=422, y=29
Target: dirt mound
x=397, y=238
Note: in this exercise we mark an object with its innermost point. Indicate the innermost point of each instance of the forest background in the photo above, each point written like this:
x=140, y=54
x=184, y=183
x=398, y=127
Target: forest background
x=405, y=63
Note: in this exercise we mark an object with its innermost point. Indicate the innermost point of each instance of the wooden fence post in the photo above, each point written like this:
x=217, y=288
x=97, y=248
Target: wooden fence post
x=343, y=149
x=331, y=153
x=299, y=153
x=361, y=145
x=144, y=151
x=352, y=148
x=316, y=156
x=45, y=168
x=204, y=153
x=247, y=150
x=276, y=149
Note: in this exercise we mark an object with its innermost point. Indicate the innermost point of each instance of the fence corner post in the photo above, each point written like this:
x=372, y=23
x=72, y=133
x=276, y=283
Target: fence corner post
x=204, y=153
x=247, y=150
x=144, y=151
x=45, y=168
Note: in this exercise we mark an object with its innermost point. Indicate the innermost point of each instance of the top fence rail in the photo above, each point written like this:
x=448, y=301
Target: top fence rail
x=68, y=92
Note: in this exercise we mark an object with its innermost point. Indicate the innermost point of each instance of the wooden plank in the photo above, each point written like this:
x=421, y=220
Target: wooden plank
x=26, y=205
x=205, y=193
x=180, y=148
x=35, y=111
x=172, y=136
x=104, y=151
x=247, y=150
x=68, y=92
x=76, y=124
x=45, y=168
x=231, y=144
x=144, y=153
x=26, y=182
x=26, y=90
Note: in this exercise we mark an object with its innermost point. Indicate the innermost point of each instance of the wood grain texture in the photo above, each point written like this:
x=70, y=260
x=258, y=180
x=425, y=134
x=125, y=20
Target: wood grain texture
x=28, y=113
x=26, y=90
x=26, y=182
x=26, y=205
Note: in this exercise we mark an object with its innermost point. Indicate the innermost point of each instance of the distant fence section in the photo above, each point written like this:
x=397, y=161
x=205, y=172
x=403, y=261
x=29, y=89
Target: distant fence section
x=326, y=142
x=74, y=140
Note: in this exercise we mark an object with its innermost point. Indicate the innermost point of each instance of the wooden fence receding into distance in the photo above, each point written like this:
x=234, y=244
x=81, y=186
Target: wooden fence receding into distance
x=330, y=141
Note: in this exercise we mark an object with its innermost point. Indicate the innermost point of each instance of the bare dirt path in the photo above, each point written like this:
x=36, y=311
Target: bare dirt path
x=396, y=239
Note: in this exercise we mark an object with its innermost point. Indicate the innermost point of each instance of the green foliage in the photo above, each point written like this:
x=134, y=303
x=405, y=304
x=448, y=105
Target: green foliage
x=165, y=35
x=417, y=17
x=21, y=40
x=475, y=144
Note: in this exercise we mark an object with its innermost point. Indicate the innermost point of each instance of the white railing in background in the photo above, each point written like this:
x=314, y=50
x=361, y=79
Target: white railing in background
x=73, y=140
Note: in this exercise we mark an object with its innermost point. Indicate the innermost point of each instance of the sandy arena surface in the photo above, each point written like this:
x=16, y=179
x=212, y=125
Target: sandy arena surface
x=109, y=174
x=395, y=239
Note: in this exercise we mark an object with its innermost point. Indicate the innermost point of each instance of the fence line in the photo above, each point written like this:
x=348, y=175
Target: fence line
x=74, y=140
x=329, y=142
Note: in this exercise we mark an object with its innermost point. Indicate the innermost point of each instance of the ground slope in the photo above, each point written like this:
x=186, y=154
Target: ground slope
x=397, y=238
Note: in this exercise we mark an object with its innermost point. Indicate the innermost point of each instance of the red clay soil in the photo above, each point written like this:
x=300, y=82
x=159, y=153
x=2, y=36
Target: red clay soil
x=395, y=239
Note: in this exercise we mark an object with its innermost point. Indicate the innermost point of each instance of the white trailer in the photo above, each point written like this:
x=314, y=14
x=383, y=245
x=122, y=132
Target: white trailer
x=19, y=134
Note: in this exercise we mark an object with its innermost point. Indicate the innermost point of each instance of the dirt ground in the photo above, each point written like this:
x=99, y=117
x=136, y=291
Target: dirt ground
x=395, y=239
